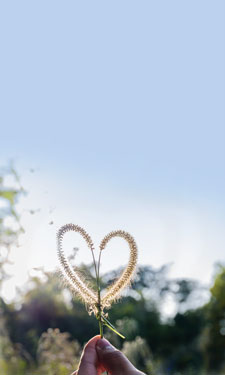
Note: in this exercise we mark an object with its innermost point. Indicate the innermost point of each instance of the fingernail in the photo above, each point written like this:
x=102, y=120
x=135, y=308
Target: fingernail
x=105, y=346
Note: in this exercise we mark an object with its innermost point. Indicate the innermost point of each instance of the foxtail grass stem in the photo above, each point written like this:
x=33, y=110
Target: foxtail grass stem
x=99, y=315
x=99, y=298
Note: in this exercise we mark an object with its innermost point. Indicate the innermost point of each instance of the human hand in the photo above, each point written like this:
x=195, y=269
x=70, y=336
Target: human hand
x=99, y=356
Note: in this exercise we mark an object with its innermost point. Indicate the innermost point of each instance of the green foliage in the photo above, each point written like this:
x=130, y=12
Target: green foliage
x=11, y=354
x=8, y=232
x=138, y=352
x=57, y=354
x=11, y=361
x=213, y=336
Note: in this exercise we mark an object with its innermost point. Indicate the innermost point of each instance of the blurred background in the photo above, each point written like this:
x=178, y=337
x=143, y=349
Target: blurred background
x=112, y=117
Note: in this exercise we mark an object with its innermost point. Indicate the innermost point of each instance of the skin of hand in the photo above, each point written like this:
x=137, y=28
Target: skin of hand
x=99, y=356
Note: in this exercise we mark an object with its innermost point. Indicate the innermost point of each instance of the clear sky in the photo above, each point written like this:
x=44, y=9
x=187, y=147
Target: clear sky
x=119, y=109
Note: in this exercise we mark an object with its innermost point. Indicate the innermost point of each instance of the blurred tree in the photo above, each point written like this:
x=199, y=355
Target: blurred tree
x=154, y=286
x=180, y=338
x=129, y=326
x=138, y=352
x=46, y=304
x=11, y=355
x=57, y=354
x=213, y=336
x=149, y=283
x=10, y=226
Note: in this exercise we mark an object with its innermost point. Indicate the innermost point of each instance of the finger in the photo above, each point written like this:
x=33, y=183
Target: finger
x=75, y=373
x=89, y=359
x=113, y=360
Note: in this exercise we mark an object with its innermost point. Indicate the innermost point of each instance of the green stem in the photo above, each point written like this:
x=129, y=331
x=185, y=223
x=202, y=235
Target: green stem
x=100, y=328
x=96, y=272
x=99, y=315
x=99, y=261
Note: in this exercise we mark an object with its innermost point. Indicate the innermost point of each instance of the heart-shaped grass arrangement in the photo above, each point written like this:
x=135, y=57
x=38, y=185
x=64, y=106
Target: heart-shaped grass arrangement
x=92, y=298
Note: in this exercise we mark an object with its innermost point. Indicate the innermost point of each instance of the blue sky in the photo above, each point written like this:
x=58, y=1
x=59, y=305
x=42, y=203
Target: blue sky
x=119, y=108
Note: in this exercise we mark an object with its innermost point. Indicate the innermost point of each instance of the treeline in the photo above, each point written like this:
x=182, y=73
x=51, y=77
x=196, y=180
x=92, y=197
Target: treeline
x=190, y=342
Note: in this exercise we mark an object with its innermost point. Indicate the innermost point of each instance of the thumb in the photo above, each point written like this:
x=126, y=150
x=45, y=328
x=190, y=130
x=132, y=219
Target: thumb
x=113, y=360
